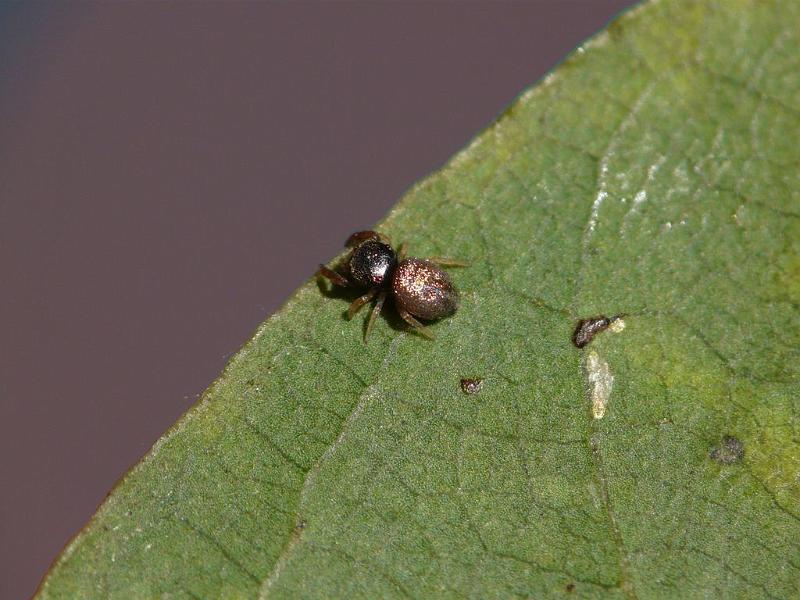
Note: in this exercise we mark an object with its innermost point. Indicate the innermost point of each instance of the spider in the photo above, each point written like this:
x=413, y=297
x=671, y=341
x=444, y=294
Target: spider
x=418, y=287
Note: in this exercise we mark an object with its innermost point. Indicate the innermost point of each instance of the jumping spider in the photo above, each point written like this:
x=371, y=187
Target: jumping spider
x=418, y=287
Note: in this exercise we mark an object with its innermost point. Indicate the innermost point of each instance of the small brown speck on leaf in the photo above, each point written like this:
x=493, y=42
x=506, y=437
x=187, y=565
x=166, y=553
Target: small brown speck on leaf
x=570, y=587
x=471, y=386
x=590, y=327
x=730, y=451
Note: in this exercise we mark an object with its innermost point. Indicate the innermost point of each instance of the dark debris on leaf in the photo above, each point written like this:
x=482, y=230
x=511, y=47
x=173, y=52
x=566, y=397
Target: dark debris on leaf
x=472, y=385
x=730, y=451
x=590, y=327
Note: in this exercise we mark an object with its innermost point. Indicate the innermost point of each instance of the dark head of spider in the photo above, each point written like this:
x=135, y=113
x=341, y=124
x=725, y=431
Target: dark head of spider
x=419, y=288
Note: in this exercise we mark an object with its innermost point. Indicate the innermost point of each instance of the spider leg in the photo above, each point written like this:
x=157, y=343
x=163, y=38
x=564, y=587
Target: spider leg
x=418, y=327
x=356, y=304
x=374, y=314
x=363, y=236
x=401, y=252
x=446, y=262
x=333, y=276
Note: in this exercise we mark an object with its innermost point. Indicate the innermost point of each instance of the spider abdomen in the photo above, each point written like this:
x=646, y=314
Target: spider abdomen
x=423, y=289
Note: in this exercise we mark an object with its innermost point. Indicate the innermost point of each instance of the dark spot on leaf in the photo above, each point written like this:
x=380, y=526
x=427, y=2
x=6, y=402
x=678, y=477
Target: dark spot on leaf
x=588, y=328
x=570, y=587
x=471, y=386
x=730, y=451
x=297, y=530
x=615, y=30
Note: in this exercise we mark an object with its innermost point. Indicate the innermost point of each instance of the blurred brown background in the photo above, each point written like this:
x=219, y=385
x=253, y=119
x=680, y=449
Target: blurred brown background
x=170, y=173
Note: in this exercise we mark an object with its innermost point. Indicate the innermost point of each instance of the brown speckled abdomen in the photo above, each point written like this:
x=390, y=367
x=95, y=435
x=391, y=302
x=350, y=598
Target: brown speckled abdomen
x=423, y=289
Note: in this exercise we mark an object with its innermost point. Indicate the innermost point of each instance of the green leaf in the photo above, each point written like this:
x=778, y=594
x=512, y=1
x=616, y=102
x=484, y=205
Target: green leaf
x=654, y=175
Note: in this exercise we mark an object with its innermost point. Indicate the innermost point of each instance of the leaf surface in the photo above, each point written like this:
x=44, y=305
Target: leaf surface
x=655, y=176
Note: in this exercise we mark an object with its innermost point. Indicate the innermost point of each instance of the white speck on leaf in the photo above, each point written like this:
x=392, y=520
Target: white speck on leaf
x=601, y=381
x=601, y=195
